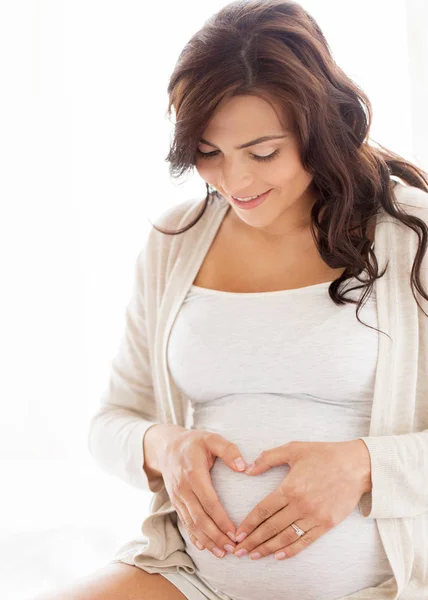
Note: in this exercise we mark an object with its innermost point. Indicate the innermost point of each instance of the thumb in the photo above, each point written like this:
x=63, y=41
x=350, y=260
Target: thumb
x=270, y=458
x=227, y=451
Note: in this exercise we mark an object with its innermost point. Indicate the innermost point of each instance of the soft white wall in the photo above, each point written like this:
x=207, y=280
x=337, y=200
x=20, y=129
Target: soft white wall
x=83, y=142
x=417, y=27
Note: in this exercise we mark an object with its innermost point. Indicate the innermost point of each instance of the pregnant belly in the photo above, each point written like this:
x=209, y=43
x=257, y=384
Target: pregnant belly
x=348, y=558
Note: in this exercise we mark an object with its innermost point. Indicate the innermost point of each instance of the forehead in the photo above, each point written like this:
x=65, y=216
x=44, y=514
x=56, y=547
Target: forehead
x=245, y=117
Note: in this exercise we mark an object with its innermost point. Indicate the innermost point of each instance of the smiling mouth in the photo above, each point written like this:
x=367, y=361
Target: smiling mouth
x=253, y=197
x=248, y=204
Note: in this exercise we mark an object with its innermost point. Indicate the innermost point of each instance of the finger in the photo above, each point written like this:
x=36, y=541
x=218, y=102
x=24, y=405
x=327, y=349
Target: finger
x=276, y=544
x=211, y=504
x=196, y=542
x=195, y=521
x=186, y=521
x=301, y=544
x=215, y=539
x=269, y=530
x=273, y=457
x=265, y=509
x=195, y=532
x=227, y=451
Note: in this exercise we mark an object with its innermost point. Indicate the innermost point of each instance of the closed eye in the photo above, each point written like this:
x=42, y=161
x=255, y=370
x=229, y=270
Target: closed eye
x=254, y=156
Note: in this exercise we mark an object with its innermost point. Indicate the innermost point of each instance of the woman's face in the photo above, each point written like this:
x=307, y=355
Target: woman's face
x=243, y=172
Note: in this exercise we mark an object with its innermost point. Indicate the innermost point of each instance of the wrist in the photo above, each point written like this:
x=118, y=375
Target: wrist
x=154, y=443
x=364, y=464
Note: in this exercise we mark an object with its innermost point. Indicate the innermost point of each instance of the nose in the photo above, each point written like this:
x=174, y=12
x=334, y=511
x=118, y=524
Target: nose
x=233, y=181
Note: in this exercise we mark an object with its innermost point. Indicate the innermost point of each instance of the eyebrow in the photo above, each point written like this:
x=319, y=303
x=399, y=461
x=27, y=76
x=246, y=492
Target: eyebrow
x=259, y=140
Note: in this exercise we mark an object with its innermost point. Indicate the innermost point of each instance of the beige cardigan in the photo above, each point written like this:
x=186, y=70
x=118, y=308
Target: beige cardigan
x=142, y=392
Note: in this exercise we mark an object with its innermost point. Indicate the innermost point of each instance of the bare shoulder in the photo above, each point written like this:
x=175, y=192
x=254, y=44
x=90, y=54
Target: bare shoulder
x=117, y=581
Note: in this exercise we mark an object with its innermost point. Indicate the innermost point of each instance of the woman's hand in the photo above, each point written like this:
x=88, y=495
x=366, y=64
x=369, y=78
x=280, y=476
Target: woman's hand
x=185, y=464
x=324, y=485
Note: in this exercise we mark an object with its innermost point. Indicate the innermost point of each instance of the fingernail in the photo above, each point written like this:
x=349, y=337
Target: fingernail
x=219, y=553
x=240, y=464
x=199, y=545
x=229, y=548
x=241, y=537
x=255, y=555
x=250, y=468
x=241, y=552
x=232, y=536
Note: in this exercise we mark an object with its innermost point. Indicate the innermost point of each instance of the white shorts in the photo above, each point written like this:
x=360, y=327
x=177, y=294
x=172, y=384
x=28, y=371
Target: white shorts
x=191, y=585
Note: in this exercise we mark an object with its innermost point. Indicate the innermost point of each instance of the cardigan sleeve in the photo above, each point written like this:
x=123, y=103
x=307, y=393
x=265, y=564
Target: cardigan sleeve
x=399, y=476
x=128, y=407
x=400, y=462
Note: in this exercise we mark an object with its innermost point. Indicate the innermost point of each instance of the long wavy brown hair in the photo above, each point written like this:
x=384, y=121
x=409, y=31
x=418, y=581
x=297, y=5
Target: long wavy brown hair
x=274, y=48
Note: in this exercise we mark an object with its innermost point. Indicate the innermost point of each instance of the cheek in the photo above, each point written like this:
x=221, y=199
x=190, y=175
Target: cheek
x=289, y=172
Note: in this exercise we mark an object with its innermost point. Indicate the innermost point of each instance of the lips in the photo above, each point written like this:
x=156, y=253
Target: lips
x=250, y=195
x=249, y=204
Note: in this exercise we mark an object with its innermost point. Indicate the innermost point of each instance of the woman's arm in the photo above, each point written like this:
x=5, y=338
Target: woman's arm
x=128, y=405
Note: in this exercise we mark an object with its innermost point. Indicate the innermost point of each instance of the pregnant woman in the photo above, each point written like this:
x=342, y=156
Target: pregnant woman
x=281, y=322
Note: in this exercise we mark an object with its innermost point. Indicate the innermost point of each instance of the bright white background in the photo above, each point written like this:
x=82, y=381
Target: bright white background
x=83, y=138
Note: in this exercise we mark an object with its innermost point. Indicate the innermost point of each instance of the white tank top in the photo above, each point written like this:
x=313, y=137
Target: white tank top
x=263, y=369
